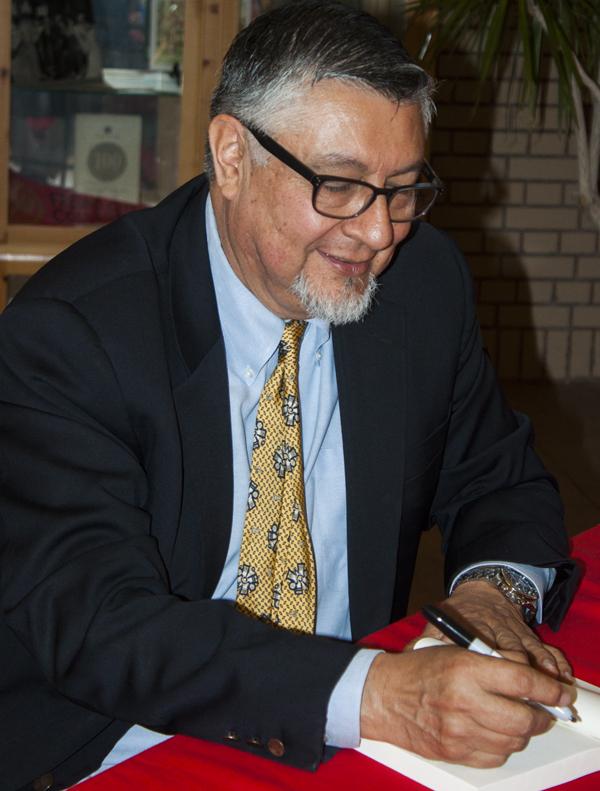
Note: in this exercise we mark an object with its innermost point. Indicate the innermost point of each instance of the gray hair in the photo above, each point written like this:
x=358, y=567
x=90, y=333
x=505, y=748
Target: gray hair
x=283, y=53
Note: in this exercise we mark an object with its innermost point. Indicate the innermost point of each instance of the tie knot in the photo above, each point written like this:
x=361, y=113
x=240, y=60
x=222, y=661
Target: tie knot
x=291, y=338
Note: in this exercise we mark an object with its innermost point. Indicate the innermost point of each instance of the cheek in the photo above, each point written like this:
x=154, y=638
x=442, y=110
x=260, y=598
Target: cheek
x=295, y=232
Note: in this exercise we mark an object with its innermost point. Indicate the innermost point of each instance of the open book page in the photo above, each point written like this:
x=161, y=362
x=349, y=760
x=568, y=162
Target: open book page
x=566, y=751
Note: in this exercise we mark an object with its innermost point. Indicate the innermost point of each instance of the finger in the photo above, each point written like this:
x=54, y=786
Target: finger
x=525, y=647
x=516, y=641
x=521, y=656
x=491, y=741
x=565, y=671
x=428, y=631
x=462, y=737
x=485, y=708
x=482, y=760
x=544, y=660
x=514, y=718
x=482, y=755
x=520, y=682
x=516, y=683
x=457, y=736
x=543, y=657
x=502, y=716
x=432, y=631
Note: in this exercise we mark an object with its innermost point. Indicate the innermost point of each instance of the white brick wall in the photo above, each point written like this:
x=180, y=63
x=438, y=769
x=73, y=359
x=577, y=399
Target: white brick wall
x=513, y=208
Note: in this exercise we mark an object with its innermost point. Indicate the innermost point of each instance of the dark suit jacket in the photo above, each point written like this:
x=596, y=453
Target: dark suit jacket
x=116, y=492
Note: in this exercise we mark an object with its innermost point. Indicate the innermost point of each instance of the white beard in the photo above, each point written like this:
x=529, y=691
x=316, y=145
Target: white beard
x=342, y=308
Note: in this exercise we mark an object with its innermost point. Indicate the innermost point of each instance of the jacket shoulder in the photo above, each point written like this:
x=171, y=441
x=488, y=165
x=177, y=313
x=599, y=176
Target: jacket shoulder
x=427, y=262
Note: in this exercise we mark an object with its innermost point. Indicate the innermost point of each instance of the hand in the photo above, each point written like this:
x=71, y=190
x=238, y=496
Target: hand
x=498, y=622
x=454, y=705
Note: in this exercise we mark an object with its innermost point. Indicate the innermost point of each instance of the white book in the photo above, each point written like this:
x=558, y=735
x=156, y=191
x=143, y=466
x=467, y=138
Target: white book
x=568, y=750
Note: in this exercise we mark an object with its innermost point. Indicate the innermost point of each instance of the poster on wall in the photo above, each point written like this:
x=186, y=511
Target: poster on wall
x=107, y=155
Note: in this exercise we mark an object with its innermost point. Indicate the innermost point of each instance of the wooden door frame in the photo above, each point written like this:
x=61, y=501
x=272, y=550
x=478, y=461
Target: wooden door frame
x=5, y=26
x=210, y=26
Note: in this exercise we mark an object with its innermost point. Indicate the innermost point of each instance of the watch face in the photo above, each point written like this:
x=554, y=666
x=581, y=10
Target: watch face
x=515, y=587
x=521, y=585
x=512, y=584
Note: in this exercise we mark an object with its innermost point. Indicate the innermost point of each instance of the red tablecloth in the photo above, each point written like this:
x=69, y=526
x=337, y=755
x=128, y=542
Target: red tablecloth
x=183, y=763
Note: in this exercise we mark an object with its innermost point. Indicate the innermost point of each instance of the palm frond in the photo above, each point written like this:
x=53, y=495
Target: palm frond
x=568, y=30
x=493, y=38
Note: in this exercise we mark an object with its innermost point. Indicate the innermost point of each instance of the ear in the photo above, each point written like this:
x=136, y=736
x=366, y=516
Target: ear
x=227, y=139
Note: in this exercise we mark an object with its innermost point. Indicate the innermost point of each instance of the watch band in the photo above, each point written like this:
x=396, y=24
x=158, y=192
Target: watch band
x=516, y=587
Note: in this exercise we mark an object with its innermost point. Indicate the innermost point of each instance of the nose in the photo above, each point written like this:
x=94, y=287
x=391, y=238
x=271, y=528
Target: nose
x=374, y=228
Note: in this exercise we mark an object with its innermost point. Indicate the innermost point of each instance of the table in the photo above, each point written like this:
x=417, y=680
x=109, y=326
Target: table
x=183, y=763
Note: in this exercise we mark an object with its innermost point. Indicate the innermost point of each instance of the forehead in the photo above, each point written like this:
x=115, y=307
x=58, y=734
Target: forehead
x=336, y=123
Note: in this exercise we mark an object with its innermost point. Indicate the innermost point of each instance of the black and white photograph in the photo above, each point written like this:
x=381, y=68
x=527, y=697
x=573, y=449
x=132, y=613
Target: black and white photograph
x=52, y=40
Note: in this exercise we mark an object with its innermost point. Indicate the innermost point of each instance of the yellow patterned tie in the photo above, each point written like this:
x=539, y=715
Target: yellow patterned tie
x=277, y=577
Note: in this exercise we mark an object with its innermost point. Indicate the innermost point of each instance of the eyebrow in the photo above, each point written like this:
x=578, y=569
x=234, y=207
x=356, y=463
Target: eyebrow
x=339, y=160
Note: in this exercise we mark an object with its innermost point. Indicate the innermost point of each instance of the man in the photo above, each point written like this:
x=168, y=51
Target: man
x=136, y=383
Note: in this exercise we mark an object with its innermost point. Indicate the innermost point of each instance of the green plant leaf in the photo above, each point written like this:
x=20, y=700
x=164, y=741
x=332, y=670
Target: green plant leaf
x=530, y=56
x=562, y=56
x=493, y=38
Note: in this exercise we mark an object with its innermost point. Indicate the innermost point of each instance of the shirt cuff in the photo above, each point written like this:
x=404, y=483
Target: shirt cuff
x=541, y=578
x=343, y=711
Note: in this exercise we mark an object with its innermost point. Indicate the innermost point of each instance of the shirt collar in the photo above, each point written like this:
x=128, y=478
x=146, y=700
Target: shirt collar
x=243, y=316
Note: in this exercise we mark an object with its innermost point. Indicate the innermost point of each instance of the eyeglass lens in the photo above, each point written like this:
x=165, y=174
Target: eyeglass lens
x=345, y=199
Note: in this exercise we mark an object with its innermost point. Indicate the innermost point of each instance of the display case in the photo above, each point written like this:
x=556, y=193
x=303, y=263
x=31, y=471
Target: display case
x=103, y=109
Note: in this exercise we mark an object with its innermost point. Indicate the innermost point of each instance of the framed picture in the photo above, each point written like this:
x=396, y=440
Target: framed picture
x=107, y=155
x=166, y=34
x=54, y=40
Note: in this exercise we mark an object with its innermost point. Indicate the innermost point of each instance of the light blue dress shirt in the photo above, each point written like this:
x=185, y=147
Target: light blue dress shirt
x=249, y=366
x=251, y=335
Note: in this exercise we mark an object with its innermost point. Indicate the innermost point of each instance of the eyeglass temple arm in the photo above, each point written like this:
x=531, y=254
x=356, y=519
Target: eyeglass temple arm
x=273, y=147
x=431, y=174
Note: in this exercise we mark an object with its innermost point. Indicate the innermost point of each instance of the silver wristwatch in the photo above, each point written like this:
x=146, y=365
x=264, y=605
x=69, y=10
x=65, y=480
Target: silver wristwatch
x=517, y=588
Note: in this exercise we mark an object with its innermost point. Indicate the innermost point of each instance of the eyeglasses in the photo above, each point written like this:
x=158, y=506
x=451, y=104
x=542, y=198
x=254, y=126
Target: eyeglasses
x=342, y=198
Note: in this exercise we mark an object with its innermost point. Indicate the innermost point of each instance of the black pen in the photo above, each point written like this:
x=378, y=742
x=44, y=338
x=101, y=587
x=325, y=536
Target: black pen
x=463, y=638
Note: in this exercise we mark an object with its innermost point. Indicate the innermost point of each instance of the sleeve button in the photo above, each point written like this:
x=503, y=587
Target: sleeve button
x=232, y=736
x=276, y=747
x=255, y=741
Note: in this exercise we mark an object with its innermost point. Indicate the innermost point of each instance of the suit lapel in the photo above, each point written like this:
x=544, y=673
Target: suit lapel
x=202, y=406
x=200, y=388
x=370, y=368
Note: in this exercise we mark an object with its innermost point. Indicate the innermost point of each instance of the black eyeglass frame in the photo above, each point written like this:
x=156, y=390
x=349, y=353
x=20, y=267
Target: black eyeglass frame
x=316, y=179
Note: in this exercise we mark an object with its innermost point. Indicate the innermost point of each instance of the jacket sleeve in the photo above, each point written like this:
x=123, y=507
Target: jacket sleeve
x=495, y=500
x=84, y=586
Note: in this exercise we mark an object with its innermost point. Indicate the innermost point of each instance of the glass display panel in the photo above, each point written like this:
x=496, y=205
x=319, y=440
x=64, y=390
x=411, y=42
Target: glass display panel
x=95, y=108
